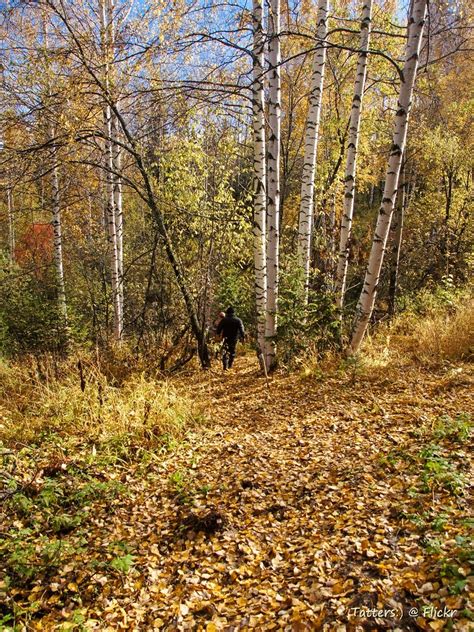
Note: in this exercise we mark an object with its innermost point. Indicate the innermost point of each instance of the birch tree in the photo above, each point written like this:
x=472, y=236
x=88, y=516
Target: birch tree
x=55, y=190
x=351, y=159
x=396, y=231
x=273, y=163
x=114, y=225
x=57, y=237
x=368, y=294
x=116, y=152
x=118, y=198
x=305, y=220
x=259, y=176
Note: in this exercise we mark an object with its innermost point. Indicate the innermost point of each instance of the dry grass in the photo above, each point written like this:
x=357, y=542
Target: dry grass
x=440, y=334
x=437, y=330
x=141, y=412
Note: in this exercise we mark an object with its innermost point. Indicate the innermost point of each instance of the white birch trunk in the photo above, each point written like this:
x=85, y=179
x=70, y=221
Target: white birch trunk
x=332, y=237
x=351, y=160
x=117, y=157
x=366, y=302
x=396, y=233
x=273, y=165
x=259, y=176
x=11, y=226
x=305, y=220
x=118, y=209
x=106, y=19
x=57, y=239
x=55, y=201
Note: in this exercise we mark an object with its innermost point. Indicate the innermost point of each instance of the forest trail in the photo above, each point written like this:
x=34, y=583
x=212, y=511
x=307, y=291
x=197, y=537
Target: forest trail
x=291, y=507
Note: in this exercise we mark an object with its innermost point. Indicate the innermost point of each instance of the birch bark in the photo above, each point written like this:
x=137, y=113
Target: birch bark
x=109, y=178
x=116, y=156
x=57, y=239
x=396, y=230
x=259, y=176
x=366, y=302
x=273, y=164
x=118, y=197
x=305, y=220
x=55, y=197
x=351, y=160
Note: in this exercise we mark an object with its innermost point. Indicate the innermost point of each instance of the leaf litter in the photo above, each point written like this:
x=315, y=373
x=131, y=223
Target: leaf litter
x=333, y=504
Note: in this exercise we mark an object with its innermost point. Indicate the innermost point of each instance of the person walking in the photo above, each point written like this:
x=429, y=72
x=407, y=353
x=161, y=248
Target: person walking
x=232, y=329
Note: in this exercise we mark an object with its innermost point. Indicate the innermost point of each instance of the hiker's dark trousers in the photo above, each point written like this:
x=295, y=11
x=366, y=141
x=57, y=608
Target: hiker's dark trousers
x=228, y=359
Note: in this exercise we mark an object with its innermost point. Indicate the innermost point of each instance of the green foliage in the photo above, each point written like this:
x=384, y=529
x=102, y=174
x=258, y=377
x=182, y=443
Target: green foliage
x=181, y=486
x=236, y=289
x=444, y=295
x=313, y=328
x=440, y=472
x=458, y=429
x=30, y=320
x=123, y=563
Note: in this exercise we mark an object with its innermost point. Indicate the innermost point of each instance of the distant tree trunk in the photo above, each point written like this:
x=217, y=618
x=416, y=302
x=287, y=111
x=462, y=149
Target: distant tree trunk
x=259, y=176
x=58, y=241
x=55, y=193
x=118, y=208
x=116, y=158
x=305, y=220
x=351, y=160
x=273, y=163
x=11, y=225
x=396, y=230
x=112, y=229
x=331, y=242
x=109, y=165
x=366, y=302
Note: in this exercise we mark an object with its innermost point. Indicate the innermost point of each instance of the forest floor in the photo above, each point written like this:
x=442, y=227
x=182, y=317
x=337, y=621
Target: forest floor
x=327, y=502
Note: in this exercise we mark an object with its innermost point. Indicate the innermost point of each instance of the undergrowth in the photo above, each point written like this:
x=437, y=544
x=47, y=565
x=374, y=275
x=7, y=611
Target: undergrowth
x=69, y=436
x=435, y=328
x=83, y=406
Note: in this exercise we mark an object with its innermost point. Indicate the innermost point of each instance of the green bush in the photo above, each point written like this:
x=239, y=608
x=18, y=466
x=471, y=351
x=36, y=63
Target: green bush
x=30, y=320
x=313, y=328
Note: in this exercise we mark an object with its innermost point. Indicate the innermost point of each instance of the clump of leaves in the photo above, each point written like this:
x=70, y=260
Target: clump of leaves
x=458, y=429
x=440, y=472
x=124, y=559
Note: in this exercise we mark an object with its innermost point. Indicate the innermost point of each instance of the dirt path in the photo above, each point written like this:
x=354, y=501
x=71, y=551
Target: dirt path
x=337, y=503
x=291, y=513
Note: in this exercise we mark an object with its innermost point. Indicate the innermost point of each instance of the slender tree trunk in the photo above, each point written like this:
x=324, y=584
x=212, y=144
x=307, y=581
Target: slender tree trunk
x=273, y=163
x=331, y=242
x=118, y=208
x=106, y=19
x=396, y=230
x=116, y=157
x=55, y=197
x=11, y=226
x=351, y=160
x=112, y=230
x=305, y=220
x=366, y=302
x=58, y=241
x=259, y=176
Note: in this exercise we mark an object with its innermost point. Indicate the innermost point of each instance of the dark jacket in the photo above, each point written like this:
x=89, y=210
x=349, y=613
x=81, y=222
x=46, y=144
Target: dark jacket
x=231, y=328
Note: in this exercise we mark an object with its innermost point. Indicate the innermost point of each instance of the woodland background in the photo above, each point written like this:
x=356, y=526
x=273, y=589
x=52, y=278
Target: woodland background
x=178, y=76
